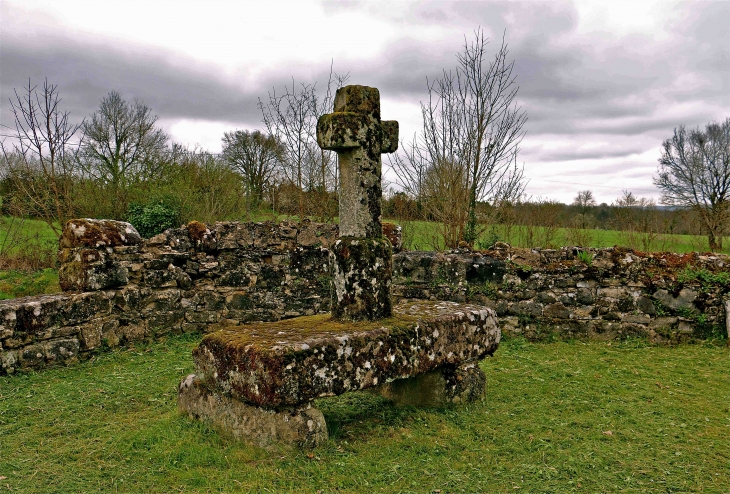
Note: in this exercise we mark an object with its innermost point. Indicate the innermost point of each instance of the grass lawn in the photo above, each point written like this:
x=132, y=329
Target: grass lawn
x=558, y=417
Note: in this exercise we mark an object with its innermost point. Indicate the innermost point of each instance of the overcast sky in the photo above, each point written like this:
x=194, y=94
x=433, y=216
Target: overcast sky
x=603, y=83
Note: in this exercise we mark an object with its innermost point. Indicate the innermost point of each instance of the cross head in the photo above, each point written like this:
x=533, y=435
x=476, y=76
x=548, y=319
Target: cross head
x=354, y=130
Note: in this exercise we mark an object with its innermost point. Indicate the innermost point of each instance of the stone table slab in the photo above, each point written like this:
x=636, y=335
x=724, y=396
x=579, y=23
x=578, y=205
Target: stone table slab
x=292, y=362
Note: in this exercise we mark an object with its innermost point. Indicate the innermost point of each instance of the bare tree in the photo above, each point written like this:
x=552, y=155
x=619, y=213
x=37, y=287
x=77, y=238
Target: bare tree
x=39, y=164
x=694, y=172
x=292, y=119
x=584, y=201
x=255, y=156
x=473, y=124
x=121, y=143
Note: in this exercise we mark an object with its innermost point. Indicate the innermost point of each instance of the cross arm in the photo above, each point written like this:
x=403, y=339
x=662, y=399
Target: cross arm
x=390, y=136
x=341, y=130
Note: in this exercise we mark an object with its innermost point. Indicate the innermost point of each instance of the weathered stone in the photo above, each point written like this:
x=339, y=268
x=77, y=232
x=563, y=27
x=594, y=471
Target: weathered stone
x=684, y=300
x=357, y=134
x=89, y=232
x=61, y=351
x=557, y=311
x=645, y=305
x=727, y=317
x=636, y=318
x=361, y=278
x=526, y=308
x=546, y=298
x=303, y=426
x=294, y=361
x=584, y=296
x=613, y=292
x=83, y=272
x=8, y=361
x=447, y=385
x=316, y=234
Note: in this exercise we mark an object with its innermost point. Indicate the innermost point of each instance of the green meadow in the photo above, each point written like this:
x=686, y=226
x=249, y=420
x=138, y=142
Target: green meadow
x=557, y=417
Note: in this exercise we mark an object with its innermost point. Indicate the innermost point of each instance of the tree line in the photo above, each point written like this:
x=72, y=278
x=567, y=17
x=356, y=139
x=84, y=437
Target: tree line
x=459, y=171
x=118, y=163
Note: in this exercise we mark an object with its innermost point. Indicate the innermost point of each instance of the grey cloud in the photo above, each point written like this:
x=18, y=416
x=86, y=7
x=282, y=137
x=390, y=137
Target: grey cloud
x=85, y=73
x=570, y=85
x=589, y=154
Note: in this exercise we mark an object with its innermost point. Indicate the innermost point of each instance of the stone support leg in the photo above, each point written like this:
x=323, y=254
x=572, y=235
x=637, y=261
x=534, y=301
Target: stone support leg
x=447, y=385
x=302, y=426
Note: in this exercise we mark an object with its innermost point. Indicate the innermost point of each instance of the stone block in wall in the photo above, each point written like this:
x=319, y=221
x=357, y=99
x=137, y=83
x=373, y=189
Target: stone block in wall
x=312, y=234
x=190, y=327
x=32, y=356
x=684, y=300
x=93, y=233
x=612, y=316
x=645, y=305
x=209, y=317
x=556, y=311
x=61, y=351
x=636, y=318
x=239, y=301
x=90, y=336
x=98, y=332
x=529, y=308
x=160, y=278
x=132, y=329
x=584, y=296
x=129, y=298
x=626, y=304
x=546, y=298
x=525, y=294
x=161, y=301
x=242, y=276
x=567, y=299
x=585, y=312
x=664, y=322
x=77, y=274
x=84, y=306
x=615, y=292
x=29, y=319
x=232, y=236
x=9, y=361
x=85, y=251
x=161, y=323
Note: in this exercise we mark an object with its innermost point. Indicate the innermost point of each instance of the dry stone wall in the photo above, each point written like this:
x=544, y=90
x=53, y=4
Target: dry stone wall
x=579, y=293
x=121, y=288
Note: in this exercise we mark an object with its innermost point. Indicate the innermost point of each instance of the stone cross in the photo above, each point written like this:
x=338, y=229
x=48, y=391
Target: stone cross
x=361, y=258
x=354, y=130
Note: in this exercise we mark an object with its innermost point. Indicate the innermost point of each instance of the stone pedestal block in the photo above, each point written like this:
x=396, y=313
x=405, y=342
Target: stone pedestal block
x=301, y=426
x=361, y=278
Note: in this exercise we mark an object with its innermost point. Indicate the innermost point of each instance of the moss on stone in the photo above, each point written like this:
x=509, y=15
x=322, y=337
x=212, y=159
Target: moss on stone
x=294, y=361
